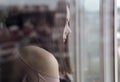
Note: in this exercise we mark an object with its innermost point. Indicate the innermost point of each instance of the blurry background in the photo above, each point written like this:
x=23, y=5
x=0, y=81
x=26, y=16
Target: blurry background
x=39, y=22
x=118, y=37
x=87, y=56
x=92, y=40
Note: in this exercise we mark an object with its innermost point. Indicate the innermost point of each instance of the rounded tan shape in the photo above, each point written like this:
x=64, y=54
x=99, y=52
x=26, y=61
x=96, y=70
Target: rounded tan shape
x=40, y=60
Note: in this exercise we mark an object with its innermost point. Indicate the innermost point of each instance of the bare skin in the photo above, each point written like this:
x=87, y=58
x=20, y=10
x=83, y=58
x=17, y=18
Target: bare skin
x=42, y=60
x=67, y=29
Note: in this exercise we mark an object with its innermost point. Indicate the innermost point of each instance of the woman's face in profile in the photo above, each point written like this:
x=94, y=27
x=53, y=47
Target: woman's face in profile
x=16, y=24
x=67, y=29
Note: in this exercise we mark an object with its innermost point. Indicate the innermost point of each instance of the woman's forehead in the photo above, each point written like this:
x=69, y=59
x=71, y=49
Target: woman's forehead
x=68, y=13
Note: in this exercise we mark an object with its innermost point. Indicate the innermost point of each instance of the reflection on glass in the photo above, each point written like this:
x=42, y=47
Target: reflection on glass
x=91, y=48
x=118, y=36
x=28, y=22
x=86, y=25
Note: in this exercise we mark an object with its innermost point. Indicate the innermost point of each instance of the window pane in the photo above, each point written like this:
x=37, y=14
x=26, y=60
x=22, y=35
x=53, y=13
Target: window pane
x=91, y=40
x=92, y=26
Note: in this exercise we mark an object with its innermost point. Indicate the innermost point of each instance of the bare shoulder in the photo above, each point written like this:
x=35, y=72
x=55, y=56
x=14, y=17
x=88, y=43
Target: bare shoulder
x=40, y=59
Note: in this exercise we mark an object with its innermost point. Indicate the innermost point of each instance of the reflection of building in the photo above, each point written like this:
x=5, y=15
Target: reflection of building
x=118, y=41
x=118, y=26
x=118, y=18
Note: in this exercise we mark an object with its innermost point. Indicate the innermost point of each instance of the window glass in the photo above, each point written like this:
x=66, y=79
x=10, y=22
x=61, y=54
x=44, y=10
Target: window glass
x=92, y=26
x=32, y=22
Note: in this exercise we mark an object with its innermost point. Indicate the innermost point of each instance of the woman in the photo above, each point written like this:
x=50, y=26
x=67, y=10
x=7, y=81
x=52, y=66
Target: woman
x=35, y=64
x=45, y=64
